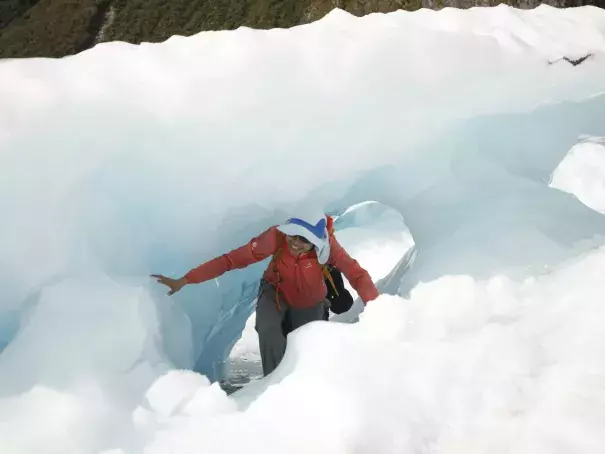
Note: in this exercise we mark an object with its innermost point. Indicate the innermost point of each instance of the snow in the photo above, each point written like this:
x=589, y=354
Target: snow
x=582, y=173
x=466, y=132
x=499, y=366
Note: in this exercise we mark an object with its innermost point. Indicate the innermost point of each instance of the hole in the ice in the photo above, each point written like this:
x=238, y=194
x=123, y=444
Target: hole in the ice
x=374, y=234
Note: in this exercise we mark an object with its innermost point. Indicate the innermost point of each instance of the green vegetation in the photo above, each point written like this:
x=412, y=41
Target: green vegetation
x=50, y=28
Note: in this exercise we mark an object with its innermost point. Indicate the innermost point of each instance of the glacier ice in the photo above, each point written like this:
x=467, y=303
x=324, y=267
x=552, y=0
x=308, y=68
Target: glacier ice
x=469, y=125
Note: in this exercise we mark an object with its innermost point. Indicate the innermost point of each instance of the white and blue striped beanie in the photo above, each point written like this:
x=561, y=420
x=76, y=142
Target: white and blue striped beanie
x=314, y=229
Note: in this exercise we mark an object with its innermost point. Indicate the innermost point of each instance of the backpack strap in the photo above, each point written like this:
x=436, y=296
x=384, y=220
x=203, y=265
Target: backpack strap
x=281, y=238
x=329, y=277
x=325, y=269
x=330, y=225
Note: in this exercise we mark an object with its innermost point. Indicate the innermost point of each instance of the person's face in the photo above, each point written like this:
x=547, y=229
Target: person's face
x=298, y=244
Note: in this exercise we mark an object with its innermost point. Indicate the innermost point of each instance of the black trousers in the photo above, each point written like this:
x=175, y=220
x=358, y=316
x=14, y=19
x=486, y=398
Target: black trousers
x=273, y=325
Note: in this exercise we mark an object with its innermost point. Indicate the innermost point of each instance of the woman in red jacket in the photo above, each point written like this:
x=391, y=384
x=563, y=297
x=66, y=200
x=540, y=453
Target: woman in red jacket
x=293, y=284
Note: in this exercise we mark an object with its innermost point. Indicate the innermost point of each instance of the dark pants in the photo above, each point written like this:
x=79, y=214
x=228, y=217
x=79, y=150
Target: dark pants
x=273, y=325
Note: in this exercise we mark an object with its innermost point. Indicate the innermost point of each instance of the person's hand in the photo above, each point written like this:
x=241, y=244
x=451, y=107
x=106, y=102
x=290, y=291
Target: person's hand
x=174, y=284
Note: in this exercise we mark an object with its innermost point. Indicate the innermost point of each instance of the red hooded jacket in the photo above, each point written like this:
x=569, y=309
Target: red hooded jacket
x=299, y=279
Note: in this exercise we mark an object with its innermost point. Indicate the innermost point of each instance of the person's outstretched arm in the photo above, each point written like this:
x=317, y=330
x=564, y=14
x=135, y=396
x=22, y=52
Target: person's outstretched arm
x=358, y=277
x=256, y=250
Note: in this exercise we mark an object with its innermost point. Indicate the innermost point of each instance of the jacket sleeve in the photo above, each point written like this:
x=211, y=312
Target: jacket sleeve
x=355, y=274
x=256, y=250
